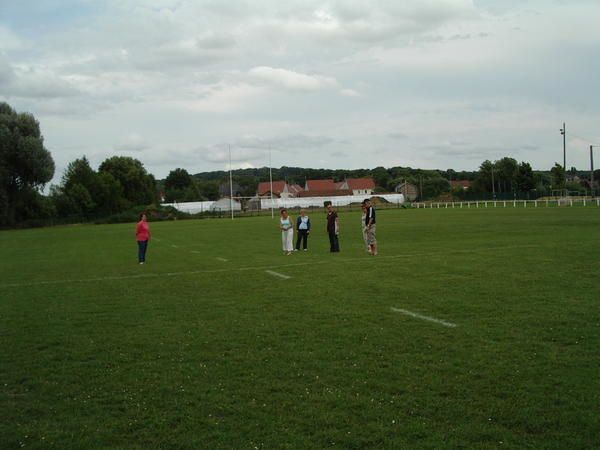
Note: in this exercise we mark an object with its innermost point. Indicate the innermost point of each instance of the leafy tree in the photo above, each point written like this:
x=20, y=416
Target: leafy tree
x=178, y=179
x=209, y=190
x=505, y=174
x=25, y=164
x=558, y=176
x=139, y=187
x=434, y=187
x=525, y=179
x=483, y=180
x=381, y=177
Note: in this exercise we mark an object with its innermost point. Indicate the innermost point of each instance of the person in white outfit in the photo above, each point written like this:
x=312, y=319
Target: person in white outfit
x=287, y=232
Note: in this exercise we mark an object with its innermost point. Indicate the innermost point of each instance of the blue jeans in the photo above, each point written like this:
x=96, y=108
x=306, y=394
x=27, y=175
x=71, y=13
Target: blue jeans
x=142, y=246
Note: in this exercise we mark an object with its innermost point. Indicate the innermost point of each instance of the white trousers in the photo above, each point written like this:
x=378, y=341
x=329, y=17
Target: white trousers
x=287, y=240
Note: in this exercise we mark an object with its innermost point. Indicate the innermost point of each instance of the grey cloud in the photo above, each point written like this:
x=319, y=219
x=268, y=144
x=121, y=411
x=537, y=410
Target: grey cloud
x=398, y=135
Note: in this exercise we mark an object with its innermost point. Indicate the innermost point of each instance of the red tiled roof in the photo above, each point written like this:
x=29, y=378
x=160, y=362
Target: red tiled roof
x=320, y=185
x=265, y=186
x=326, y=193
x=361, y=183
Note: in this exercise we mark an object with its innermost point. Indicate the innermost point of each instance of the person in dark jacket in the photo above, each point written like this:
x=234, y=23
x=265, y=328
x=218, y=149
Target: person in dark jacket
x=303, y=228
x=333, y=229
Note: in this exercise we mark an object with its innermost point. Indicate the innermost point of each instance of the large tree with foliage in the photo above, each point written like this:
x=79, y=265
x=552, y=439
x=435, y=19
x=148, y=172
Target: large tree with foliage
x=85, y=192
x=25, y=165
x=525, y=179
x=558, y=176
x=139, y=187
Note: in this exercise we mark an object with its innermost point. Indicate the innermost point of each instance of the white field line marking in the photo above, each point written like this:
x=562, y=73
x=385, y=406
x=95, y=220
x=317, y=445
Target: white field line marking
x=361, y=260
x=174, y=246
x=194, y=251
x=222, y=259
x=419, y=316
x=277, y=274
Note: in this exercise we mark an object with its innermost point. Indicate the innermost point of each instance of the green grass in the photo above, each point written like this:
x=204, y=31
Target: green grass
x=192, y=352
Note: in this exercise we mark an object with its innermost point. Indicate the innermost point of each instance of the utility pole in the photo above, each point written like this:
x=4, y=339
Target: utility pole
x=230, y=184
x=563, y=131
x=592, y=169
x=271, y=181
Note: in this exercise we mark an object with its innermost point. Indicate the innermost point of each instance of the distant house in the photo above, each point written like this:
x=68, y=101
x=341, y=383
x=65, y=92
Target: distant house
x=358, y=186
x=279, y=187
x=316, y=186
x=409, y=191
x=464, y=184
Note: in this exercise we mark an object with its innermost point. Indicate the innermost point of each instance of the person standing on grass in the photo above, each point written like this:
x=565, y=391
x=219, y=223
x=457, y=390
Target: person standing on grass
x=371, y=227
x=303, y=228
x=142, y=236
x=333, y=229
x=287, y=232
x=363, y=225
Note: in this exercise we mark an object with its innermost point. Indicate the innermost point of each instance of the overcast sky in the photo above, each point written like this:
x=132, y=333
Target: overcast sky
x=331, y=84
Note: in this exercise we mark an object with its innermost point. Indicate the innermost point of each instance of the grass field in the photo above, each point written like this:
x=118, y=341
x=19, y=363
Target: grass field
x=202, y=348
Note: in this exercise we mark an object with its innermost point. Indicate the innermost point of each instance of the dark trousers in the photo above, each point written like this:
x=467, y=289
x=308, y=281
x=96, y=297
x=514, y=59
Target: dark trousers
x=334, y=244
x=142, y=246
x=302, y=236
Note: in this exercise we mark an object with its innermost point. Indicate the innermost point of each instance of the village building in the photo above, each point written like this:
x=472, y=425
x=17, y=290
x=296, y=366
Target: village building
x=410, y=191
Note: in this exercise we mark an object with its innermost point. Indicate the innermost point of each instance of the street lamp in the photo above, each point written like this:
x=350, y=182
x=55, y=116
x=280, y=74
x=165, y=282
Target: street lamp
x=563, y=131
x=592, y=169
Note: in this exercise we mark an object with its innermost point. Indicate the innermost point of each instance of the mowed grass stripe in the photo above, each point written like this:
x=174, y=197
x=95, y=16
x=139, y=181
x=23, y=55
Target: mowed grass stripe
x=366, y=259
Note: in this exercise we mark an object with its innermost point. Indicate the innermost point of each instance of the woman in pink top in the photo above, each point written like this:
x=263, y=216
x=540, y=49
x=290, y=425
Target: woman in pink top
x=142, y=236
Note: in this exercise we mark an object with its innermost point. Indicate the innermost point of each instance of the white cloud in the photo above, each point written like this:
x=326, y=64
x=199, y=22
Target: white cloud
x=133, y=142
x=289, y=79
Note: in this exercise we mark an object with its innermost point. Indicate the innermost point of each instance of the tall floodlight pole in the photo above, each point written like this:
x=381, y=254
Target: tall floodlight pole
x=230, y=184
x=271, y=182
x=592, y=169
x=563, y=131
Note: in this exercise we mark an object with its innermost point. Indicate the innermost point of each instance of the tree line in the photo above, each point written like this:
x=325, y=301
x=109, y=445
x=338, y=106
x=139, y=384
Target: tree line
x=122, y=186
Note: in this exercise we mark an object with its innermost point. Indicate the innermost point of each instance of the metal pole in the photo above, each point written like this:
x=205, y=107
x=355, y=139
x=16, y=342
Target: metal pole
x=592, y=169
x=230, y=184
x=271, y=181
x=563, y=131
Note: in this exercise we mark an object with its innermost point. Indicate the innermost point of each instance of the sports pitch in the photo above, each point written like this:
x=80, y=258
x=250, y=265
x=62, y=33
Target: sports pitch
x=471, y=329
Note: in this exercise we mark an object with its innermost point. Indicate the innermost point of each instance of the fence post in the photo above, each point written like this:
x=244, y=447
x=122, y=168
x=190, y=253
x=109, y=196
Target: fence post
x=536, y=203
x=494, y=203
x=505, y=203
x=583, y=201
x=571, y=201
x=514, y=203
x=461, y=204
x=524, y=203
x=469, y=205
